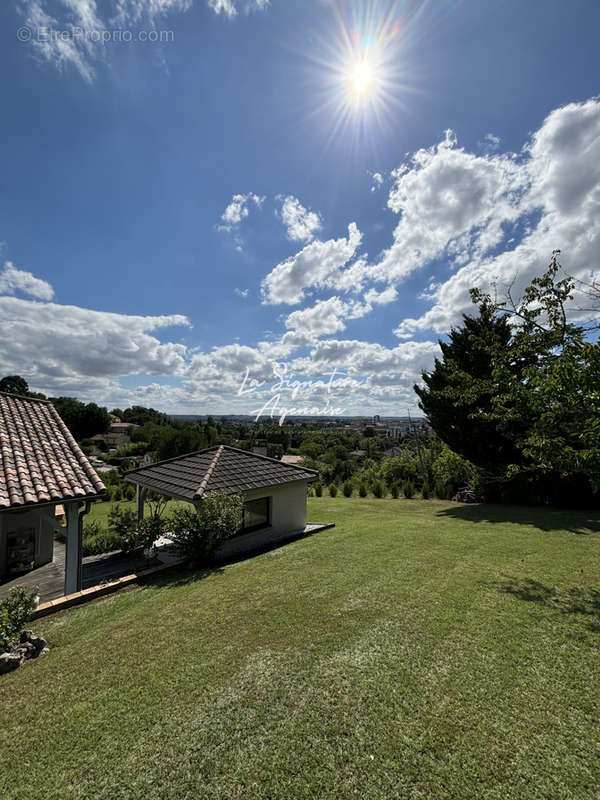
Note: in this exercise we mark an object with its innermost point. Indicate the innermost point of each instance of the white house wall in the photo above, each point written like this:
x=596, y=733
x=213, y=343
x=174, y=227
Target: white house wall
x=288, y=515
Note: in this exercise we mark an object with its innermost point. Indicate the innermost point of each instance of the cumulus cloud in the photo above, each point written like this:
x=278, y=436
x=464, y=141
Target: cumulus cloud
x=13, y=279
x=238, y=209
x=241, y=292
x=555, y=190
x=316, y=265
x=79, y=345
x=301, y=224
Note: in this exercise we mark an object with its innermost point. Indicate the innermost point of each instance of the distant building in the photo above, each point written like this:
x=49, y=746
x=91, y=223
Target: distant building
x=291, y=459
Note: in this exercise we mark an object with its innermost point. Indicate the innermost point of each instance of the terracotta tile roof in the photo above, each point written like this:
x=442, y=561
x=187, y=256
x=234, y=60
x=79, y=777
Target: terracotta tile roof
x=216, y=469
x=40, y=461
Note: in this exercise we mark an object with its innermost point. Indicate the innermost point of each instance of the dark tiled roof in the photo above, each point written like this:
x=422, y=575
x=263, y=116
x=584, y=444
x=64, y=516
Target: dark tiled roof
x=40, y=461
x=216, y=469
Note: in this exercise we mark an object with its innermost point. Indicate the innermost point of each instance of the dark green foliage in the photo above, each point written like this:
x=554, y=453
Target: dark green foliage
x=122, y=523
x=378, y=489
x=441, y=492
x=14, y=384
x=408, y=489
x=97, y=539
x=129, y=492
x=348, y=489
x=318, y=489
x=15, y=610
x=197, y=532
x=333, y=490
x=363, y=490
x=426, y=491
x=520, y=401
x=395, y=491
x=82, y=419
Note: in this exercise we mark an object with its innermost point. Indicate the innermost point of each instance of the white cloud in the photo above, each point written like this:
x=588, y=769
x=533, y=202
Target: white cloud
x=57, y=345
x=316, y=265
x=230, y=8
x=556, y=188
x=447, y=197
x=300, y=223
x=241, y=292
x=376, y=180
x=13, y=279
x=238, y=209
x=68, y=33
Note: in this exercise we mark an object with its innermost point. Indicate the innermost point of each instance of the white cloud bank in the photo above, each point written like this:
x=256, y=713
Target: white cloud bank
x=478, y=219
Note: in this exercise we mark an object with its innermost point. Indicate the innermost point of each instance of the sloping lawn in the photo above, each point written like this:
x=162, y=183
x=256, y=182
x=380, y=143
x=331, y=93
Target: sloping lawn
x=417, y=650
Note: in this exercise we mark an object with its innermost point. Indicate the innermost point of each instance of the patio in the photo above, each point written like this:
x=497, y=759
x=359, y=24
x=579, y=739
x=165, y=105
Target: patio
x=50, y=579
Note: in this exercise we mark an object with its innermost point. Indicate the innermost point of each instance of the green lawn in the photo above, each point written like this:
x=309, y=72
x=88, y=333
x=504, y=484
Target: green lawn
x=417, y=650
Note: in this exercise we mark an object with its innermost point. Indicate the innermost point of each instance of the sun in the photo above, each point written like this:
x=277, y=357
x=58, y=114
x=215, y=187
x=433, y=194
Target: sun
x=362, y=78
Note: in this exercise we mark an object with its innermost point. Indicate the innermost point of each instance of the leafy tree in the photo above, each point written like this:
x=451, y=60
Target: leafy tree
x=517, y=393
x=83, y=420
x=15, y=384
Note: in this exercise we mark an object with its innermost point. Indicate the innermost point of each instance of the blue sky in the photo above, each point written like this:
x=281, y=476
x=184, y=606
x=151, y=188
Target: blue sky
x=231, y=198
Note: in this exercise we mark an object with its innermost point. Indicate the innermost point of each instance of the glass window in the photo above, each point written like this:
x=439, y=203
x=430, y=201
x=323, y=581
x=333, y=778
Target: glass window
x=256, y=514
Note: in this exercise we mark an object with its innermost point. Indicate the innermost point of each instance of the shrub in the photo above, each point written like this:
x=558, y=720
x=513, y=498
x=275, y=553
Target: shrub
x=318, y=490
x=408, y=489
x=117, y=493
x=332, y=490
x=15, y=610
x=123, y=524
x=395, y=491
x=425, y=491
x=378, y=489
x=149, y=530
x=362, y=490
x=441, y=490
x=129, y=492
x=348, y=489
x=97, y=539
x=108, y=495
x=197, y=532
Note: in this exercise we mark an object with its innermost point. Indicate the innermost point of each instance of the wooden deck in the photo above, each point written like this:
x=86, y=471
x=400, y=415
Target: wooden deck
x=50, y=579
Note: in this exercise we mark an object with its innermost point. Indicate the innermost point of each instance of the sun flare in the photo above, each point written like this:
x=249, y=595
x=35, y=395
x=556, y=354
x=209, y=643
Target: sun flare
x=361, y=78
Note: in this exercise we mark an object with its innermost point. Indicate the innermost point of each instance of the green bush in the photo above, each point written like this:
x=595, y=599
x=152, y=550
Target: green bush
x=129, y=492
x=378, y=489
x=117, y=493
x=197, y=532
x=332, y=490
x=362, y=490
x=425, y=491
x=395, y=491
x=97, y=540
x=15, y=610
x=441, y=491
x=108, y=495
x=123, y=524
x=318, y=490
x=348, y=489
x=408, y=489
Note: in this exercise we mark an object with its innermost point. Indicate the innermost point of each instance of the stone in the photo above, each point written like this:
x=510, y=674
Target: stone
x=10, y=662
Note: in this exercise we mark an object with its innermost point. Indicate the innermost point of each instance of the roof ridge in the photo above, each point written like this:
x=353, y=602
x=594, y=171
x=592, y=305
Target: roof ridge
x=47, y=401
x=204, y=483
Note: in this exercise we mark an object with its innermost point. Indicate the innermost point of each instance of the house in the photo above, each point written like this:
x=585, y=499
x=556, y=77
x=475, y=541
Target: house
x=41, y=467
x=291, y=459
x=274, y=492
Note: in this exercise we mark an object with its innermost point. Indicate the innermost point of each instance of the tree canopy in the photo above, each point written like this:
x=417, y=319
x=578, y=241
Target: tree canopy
x=517, y=391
